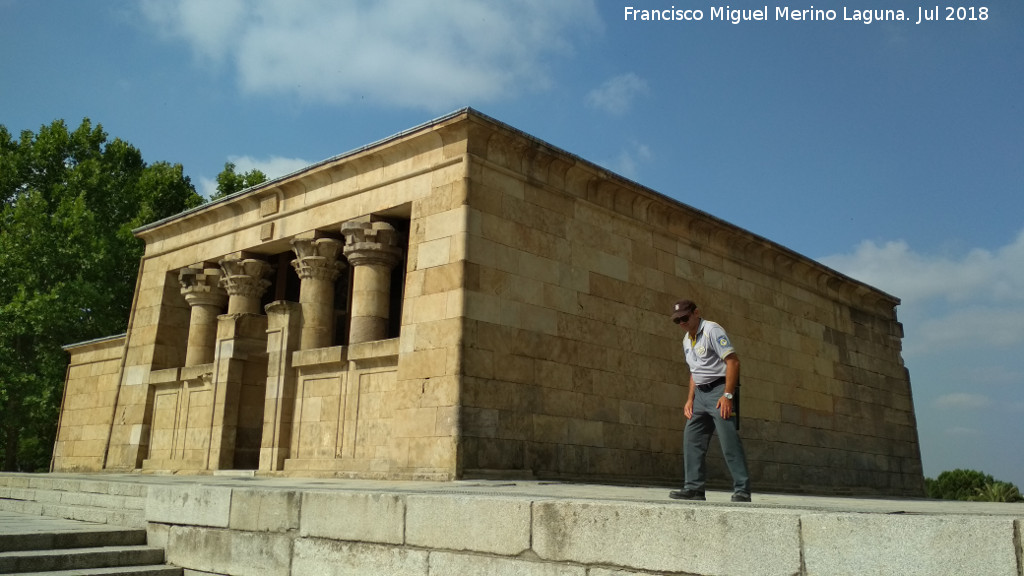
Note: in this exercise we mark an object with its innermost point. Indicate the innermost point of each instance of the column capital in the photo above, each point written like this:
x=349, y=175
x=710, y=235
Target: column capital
x=201, y=287
x=318, y=258
x=202, y=291
x=371, y=243
x=245, y=277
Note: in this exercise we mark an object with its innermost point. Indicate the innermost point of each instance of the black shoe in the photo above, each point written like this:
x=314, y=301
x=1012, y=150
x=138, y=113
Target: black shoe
x=686, y=495
x=740, y=497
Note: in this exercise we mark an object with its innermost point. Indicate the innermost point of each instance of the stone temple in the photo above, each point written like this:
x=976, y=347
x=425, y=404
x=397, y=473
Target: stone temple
x=462, y=300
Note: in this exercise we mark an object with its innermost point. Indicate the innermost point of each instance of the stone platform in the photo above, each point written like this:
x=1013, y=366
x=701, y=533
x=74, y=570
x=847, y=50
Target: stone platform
x=241, y=525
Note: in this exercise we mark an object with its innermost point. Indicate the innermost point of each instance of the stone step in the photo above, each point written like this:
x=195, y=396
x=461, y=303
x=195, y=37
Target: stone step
x=95, y=537
x=58, y=500
x=78, y=558
x=60, y=494
x=161, y=570
x=126, y=518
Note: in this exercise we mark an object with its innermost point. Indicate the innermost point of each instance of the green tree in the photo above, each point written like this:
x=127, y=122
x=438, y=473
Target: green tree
x=68, y=261
x=973, y=485
x=999, y=492
x=957, y=484
x=229, y=181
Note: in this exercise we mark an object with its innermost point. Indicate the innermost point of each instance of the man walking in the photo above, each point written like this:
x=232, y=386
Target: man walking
x=712, y=403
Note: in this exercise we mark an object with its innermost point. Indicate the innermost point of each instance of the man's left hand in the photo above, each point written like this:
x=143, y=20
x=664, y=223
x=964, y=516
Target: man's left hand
x=725, y=407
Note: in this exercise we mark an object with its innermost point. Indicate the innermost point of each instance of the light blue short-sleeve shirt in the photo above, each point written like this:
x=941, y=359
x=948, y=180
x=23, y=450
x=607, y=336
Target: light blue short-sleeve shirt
x=706, y=353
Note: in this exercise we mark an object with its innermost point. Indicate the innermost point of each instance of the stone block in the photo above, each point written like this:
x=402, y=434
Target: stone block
x=316, y=356
x=610, y=572
x=230, y=551
x=445, y=224
x=196, y=504
x=433, y=253
x=450, y=564
x=157, y=534
x=443, y=278
x=551, y=429
x=422, y=364
x=427, y=308
x=437, y=454
x=468, y=523
x=439, y=334
x=264, y=510
x=415, y=422
x=316, y=557
x=681, y=538
x=866, y=544
x=377, y=518
x=483, y=307
x=542, y=269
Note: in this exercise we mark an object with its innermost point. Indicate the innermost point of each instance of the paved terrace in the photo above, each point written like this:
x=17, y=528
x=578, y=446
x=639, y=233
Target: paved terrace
x=239, y=525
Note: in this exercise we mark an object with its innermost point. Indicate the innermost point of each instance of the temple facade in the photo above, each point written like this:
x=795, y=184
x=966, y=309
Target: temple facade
x=463, y=300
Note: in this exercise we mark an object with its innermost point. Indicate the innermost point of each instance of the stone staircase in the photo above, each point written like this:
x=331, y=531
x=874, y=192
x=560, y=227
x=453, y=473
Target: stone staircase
x=108, y=535
x=83, y=552
x=96, y=500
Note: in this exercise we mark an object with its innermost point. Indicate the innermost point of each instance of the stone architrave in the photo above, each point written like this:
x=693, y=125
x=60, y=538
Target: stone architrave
x=207, y=299
x=372, y=249
x=245, y=282
x=317, y=266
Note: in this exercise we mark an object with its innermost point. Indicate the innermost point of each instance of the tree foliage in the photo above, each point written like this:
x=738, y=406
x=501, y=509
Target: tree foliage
x=971, y=485
x=999, y=492
x=68, y=262
x=229, y=181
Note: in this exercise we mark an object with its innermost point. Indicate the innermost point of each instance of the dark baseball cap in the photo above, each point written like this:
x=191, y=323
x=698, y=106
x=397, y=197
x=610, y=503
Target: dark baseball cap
x=682, y=308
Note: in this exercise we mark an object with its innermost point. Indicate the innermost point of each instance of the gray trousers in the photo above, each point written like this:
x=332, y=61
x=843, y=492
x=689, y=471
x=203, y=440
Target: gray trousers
x=697, y=435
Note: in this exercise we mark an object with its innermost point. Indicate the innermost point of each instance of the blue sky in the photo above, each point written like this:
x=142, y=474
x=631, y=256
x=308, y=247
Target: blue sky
x=892, y=151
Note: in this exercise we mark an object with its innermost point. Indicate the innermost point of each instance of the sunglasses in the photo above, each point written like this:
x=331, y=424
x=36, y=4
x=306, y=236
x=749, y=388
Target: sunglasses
x=682, y=319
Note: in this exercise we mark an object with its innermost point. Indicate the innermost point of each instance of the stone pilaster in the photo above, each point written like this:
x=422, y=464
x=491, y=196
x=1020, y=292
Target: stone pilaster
x=207, y=299
x=239, y=367
x=318, y=267
x=245, y=281
x=283, y=330
x=372, y=249
x=239, y=391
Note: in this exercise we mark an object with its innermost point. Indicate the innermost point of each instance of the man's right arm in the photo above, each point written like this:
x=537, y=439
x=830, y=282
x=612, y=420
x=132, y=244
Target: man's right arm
x=688, y=407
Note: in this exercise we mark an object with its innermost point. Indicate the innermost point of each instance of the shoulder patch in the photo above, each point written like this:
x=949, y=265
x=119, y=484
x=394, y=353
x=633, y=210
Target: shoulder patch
x=723, y=341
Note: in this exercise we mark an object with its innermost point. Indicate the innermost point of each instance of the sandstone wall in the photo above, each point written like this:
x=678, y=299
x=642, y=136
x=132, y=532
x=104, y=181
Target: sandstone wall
x=88, y=404
x=573, y=368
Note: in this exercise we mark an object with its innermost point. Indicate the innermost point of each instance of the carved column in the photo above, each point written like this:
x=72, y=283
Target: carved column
x=240, y=367
x=318, y=267
x=203, y=293
x=245, y=282
x=372, y=250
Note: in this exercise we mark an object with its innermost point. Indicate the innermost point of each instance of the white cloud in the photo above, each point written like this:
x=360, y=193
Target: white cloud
x=616, y=94
x=630, y=158
x=973, y=300
x=272, y=167
x=207, y=187
x=210, y=27
x=411, y=53
x=977, y=275
x=961, y=401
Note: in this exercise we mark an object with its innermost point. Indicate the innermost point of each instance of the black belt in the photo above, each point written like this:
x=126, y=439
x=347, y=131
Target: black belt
x=712, y=385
